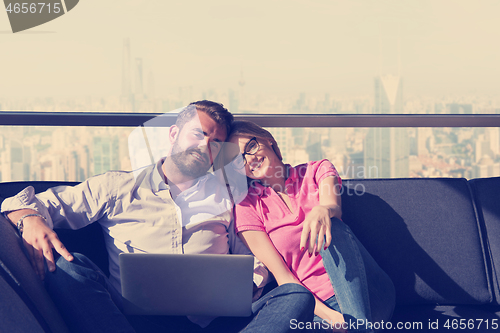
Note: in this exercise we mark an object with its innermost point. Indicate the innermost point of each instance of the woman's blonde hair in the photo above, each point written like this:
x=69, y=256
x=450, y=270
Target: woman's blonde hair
x=251, y=129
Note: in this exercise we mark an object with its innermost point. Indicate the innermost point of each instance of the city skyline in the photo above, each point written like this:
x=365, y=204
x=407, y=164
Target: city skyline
x=45, y=153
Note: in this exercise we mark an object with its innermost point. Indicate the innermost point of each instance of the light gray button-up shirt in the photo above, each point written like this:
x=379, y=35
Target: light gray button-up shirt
x=140, y=215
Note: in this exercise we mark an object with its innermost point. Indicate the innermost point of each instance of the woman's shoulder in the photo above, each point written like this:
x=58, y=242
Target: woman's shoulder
x=313, y=166
x=313, y=163
x=308, y=169
x=320, y=162
x=318, y=169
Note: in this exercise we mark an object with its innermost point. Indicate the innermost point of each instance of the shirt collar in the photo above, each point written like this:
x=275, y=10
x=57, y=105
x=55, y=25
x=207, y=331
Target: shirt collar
x=158, y=178
x=197, y=186
x=257, y=187
x=292, y=172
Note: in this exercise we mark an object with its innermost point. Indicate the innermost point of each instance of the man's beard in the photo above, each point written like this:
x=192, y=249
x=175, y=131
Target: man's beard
x=187, y=164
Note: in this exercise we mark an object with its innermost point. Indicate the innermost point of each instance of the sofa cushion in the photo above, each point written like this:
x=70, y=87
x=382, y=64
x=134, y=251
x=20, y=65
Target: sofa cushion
x=15, y=316
x=487, y=198
x=424, y=233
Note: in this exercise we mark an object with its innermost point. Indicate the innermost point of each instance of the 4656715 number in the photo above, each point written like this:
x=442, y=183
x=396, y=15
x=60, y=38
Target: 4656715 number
x=471, y=324
x=33, y=7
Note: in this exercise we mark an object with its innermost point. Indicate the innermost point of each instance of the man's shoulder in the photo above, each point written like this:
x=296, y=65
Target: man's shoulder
x=113, y=174
x=111, y=179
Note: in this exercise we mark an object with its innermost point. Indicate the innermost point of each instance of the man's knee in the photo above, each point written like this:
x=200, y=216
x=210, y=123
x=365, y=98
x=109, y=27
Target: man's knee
x=298, y=292
x=339, y=224
x=78, y=260
x=79, y=268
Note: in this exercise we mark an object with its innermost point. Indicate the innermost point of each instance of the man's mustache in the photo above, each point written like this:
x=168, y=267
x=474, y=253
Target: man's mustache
x=204, y=156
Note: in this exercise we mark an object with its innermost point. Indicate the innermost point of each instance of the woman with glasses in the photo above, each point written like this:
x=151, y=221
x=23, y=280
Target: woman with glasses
x=291, y=221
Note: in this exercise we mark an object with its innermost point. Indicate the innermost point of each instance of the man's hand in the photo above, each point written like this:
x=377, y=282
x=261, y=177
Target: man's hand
x=317, y=225
x=39, y=240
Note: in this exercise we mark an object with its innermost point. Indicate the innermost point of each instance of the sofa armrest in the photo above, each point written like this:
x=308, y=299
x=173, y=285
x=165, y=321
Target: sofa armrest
x=18, y=274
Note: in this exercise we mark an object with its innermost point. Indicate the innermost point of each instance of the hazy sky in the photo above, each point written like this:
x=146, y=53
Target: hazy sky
x=313, y=46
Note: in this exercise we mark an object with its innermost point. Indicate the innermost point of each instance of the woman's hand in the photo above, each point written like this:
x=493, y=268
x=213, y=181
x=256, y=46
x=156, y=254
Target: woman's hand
x=316, y=226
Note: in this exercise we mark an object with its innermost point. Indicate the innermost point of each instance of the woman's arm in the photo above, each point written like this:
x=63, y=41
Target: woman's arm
x=317, y=224
x=329, y=196
x=261, y=246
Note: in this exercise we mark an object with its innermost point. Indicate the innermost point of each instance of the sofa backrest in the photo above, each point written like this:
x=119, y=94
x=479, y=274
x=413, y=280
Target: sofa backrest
x=424, y=233
x=487, y=198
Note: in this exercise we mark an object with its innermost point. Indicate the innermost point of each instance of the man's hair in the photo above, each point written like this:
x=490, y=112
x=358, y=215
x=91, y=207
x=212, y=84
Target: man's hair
x=214, y=110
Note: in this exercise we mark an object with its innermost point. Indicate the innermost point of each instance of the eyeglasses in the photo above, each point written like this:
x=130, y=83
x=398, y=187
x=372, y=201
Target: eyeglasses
x=251, y=148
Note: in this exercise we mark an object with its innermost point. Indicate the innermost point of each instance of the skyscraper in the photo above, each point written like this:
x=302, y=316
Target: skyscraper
x=106, y=154
x=126, y=84
x=242, y=101
x=139, y=84
x=386, y=150
x=127, y=97
x=13, y=166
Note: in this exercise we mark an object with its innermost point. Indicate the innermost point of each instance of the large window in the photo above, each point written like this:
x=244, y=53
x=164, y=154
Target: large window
x=61, y=153
x=261, y=57
x=396, y=152
x=76, y=153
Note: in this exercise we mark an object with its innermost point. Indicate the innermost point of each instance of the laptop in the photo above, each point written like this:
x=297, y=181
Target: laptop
x=187, y=284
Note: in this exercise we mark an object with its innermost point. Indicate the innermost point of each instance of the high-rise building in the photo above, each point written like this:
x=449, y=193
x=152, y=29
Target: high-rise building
x=150, y=91
x=139, y=84
x=233, y=101
x=13, y=166
x=127, y=98
x=486, y=167
x=241, y=83
x=387, y=149
x=126, y=84
x=72, y=166
x=487, y=142
x=424, y=140
x=105, y=154
x=455, y=108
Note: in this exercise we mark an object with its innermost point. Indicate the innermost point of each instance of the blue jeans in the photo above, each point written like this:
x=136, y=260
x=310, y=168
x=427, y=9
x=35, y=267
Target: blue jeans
x=364, y=293
x=88, y=303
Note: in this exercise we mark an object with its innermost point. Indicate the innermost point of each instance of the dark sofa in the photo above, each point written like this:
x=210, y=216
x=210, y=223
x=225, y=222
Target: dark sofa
x=438, y=239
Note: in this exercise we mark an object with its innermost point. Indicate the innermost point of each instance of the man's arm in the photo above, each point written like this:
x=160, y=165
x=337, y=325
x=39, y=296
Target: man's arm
x=39, y=240
x=63, y=206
